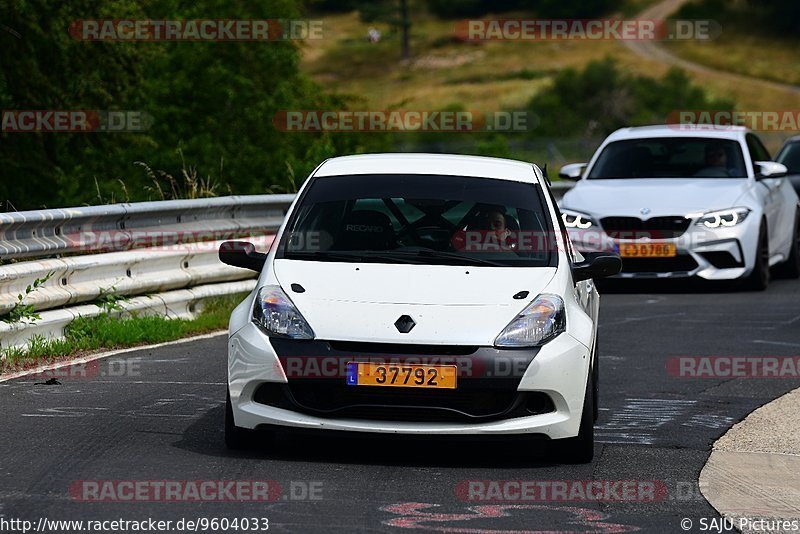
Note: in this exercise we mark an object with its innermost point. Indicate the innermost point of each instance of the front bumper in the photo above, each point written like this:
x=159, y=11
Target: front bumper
x=258, y=384
x=711, y=254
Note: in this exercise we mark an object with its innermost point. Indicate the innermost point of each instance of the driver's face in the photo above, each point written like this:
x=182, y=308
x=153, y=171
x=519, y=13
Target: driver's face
x=716, y=158
x=496, y=221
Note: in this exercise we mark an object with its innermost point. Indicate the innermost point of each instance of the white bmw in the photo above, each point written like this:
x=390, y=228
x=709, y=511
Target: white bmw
x=682, y=201
x=424, y=295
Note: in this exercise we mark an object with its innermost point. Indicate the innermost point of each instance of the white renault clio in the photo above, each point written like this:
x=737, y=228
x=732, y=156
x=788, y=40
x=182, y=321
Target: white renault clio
x=419, y=294
x=686, y=201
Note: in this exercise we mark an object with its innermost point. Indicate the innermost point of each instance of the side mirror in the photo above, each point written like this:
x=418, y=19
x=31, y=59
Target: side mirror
x=596, y=265
x=242, y=254
x=573, y=171
x=770, y=169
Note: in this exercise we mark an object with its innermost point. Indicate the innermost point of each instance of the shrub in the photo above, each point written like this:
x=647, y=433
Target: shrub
x=602, y=98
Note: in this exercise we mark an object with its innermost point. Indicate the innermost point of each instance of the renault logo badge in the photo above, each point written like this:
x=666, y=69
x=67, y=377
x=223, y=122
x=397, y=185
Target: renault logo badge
x=404, y=324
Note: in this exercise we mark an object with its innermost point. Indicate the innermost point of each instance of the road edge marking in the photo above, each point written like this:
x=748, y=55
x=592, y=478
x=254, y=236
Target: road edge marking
x=101, y=355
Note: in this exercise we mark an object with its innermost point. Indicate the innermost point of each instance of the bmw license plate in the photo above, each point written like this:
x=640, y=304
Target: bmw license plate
x=648, y=250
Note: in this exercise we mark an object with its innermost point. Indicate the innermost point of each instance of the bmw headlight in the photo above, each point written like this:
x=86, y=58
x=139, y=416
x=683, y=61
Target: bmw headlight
x=542, y=320
x=574, y=219
x=277, y=316
x=723, y=218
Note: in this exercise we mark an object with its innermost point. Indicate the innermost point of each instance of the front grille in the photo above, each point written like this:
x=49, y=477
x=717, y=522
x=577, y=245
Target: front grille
x=635, y=228
x=681, y=263
x=357, y=347
x=336, y=400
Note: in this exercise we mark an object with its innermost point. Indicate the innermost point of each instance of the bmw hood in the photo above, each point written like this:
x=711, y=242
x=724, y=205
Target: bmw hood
x=450, y=305
x=659, y=196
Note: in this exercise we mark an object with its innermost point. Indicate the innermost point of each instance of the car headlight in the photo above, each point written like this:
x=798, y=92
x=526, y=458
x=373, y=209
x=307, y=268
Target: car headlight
x=574, y=219
x=277, y=316
x=542, y=320
x=724, y=218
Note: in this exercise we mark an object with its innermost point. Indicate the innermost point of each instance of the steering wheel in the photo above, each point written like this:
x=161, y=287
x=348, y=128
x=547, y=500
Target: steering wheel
x=415, y=230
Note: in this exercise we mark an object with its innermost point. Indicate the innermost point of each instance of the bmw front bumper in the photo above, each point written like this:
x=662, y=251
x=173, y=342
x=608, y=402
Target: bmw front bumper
x=711, y=254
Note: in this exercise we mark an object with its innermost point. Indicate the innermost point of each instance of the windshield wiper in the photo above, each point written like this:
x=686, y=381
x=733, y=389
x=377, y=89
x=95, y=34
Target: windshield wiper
x=438, y=254
x=394, y=256
x=324, y=255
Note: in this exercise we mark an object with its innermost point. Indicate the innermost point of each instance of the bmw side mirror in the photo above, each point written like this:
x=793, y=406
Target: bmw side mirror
x=770, y=169
x=596, y=265
x=242, y=254
x=573, y=171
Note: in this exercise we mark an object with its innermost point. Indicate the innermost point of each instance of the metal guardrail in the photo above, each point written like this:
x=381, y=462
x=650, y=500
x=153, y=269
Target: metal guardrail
x=34, y=234
x=161, y=256
x=78, y=279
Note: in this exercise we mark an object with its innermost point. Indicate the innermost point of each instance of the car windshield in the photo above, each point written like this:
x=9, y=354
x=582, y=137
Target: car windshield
x=420, y=219
x=670, y=157
x=790, y=156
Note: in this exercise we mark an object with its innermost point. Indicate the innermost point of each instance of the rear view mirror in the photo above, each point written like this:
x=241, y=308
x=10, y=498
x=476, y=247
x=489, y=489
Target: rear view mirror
x=573, y=171
x=242, y=254
x=770, y=169
x=596, y=265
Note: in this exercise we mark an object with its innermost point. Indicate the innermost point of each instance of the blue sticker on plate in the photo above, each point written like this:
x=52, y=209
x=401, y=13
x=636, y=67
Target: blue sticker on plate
x=352, y=374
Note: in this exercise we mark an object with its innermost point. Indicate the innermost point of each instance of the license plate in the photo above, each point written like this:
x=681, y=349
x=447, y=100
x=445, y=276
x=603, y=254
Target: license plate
x=648, y=250
x=399, y=375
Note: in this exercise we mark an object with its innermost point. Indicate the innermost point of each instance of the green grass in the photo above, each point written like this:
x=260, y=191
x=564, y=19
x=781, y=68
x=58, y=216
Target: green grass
x=106, y=332
x=746, y=53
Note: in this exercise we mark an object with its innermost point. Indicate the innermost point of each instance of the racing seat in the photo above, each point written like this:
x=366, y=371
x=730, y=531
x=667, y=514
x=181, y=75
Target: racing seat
x=365, y=230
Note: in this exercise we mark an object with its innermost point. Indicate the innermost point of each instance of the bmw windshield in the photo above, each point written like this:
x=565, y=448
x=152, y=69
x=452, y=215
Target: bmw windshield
x=670, y=157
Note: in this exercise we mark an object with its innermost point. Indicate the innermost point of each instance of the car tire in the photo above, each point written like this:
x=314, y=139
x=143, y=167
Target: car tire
x=791, y=267
x=236, y=438
x=580, y=449
x=758, y=280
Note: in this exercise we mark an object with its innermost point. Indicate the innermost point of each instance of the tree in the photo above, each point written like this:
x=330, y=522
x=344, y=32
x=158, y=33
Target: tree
x=42, y=67
x=602, y=98
x=212, y=101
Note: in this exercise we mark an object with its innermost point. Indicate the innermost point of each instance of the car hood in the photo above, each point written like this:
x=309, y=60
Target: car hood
x=452, y=305
x=661, y=196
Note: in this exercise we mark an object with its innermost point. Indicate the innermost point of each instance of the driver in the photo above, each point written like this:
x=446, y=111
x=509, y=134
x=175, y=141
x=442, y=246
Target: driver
x=496, y=222
x=716, y=161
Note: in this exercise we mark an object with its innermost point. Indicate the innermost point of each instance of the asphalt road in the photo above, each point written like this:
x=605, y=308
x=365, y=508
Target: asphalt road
x=157, y=414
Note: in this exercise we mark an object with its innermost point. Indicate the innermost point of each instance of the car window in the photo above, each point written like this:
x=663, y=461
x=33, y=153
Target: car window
x=562, y=228
x=390, y=218
x=670, y=157
x=757, y=150
x=790, y=156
